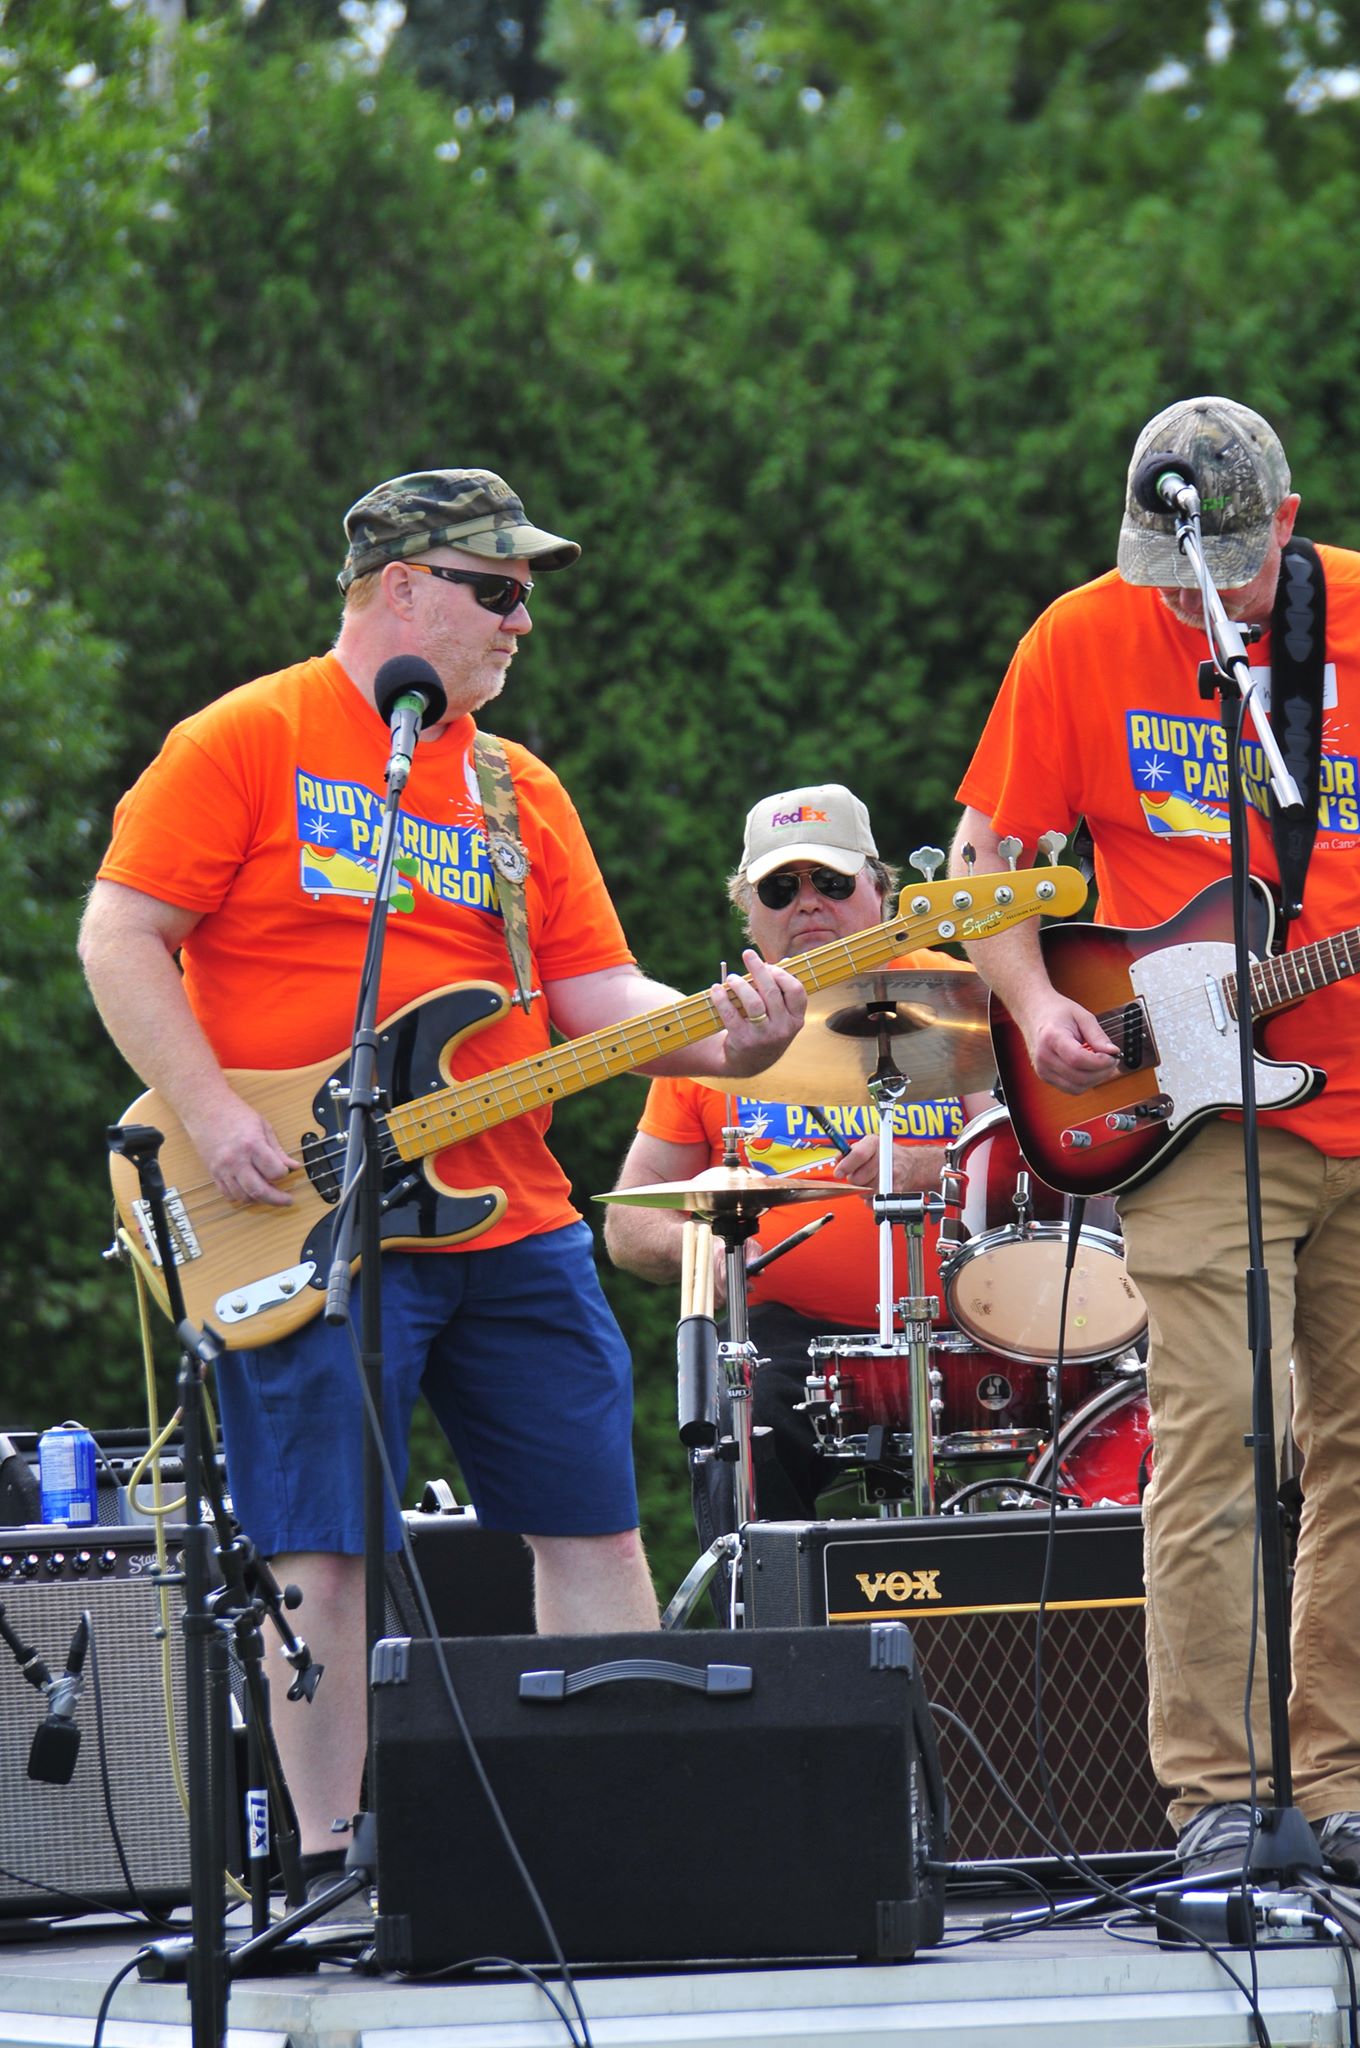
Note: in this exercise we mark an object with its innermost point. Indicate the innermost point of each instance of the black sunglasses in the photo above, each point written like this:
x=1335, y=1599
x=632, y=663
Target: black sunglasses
x=777, y=891
x=498, y=594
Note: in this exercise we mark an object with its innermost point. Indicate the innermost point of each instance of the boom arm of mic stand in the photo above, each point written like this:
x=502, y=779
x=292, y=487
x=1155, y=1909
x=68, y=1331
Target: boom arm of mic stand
x=1230, y=659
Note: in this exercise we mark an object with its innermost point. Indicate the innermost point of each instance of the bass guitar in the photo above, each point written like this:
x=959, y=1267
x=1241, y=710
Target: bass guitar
x=258, y=1271
x=1167, y=996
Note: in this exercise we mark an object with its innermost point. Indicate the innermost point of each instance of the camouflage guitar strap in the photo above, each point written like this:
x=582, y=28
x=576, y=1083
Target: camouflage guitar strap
x=509, y=860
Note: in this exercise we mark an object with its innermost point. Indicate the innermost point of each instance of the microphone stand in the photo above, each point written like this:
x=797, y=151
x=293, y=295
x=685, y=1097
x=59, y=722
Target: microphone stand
x=1283, y=1843
x=203, y=1962
x=361, y=1201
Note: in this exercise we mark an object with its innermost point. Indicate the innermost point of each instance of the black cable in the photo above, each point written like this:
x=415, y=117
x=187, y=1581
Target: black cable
x=456, y=1707
x=152, y=1919
x=96, y=2039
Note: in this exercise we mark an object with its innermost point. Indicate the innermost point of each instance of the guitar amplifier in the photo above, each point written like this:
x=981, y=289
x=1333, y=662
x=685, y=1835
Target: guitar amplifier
x=969, y=1587
x=479, y=1582
x=57, y=1847
x=674, y=1797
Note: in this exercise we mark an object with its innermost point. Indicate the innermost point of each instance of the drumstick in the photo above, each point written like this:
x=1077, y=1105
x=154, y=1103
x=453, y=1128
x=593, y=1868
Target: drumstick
x=705, y=1257
x=688, y=1248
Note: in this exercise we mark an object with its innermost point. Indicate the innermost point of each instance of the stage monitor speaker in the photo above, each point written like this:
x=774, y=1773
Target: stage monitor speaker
x=728, y=1793
x=479, y=1582
x=57, y=1852
x=969, y=1587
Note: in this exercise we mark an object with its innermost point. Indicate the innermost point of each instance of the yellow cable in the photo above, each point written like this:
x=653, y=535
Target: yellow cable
x=159, y=1510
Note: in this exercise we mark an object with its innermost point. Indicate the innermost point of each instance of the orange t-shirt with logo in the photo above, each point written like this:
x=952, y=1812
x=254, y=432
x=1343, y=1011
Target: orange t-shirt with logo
x=261, y=814
x=1100, y=713
x=833, y=1277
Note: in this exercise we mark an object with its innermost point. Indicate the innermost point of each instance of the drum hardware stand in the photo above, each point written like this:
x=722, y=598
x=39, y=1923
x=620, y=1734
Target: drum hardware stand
x=887, y=1087
x=726, y=1435
x=202, y=1961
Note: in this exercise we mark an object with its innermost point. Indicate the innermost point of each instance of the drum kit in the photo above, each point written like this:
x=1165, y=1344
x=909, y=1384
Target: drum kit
x=1029, y=1363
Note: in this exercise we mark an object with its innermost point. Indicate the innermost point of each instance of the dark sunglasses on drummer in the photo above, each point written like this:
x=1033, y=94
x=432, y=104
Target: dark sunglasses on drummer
x=777, y=891
x=493, y=593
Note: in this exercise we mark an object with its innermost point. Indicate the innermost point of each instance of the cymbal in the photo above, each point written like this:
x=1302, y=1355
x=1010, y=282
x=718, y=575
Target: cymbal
x=934, y=1024
x=727, y=1191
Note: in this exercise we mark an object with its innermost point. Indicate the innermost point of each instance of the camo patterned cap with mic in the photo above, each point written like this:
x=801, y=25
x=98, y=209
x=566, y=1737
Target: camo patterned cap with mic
x=472, y=509
x=1241, y=474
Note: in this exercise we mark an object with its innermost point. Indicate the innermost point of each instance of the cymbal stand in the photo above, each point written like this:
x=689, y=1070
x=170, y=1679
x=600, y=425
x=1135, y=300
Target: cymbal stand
x=887, y=1087
x=733, y=1436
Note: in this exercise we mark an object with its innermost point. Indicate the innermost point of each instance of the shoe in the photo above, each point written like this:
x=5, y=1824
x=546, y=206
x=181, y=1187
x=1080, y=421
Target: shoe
x=352, y=1915
x=1339, y=1840
x=1214, y=1843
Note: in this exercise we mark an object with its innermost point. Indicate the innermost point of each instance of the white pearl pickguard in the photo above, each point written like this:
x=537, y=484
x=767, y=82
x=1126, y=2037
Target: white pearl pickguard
x=1198, y=1065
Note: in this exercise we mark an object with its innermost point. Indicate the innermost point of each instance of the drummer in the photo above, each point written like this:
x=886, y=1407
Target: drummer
x=810, y=873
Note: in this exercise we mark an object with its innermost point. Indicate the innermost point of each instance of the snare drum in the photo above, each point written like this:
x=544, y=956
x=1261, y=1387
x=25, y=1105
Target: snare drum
x=985, y=1403
x=1004, y=1252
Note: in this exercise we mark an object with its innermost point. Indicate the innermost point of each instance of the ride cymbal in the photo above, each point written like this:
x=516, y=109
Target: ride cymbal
x=932, y=1023
x=724, y=1190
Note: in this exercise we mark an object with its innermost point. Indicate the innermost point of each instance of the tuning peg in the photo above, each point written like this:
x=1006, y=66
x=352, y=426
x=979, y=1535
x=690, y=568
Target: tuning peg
x=968, y=855
x=1052, y=843
x=1010, y=848
x=927, y=860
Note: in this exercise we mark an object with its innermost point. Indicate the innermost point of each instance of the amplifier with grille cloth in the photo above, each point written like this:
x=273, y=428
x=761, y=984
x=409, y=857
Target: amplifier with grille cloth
x=969, y=1586
x=57, y=1849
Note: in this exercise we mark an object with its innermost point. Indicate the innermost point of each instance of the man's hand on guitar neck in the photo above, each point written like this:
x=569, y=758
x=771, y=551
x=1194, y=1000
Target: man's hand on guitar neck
x=1066, y=1044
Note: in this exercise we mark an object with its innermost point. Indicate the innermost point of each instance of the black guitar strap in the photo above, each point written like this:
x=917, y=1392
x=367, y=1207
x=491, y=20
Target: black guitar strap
x=1298, y=648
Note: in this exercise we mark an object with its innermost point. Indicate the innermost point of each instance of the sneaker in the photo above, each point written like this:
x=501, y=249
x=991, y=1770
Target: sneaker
x=1339, y=1840
x=1214, y=1843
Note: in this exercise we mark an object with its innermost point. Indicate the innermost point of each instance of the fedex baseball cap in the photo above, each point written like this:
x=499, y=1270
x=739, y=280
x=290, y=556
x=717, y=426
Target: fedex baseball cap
x=1242, y=475
x=823, y=822
x=459, y=508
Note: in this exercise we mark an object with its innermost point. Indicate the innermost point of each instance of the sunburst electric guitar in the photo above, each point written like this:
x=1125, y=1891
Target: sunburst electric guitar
x=258, y=1271
x=1167, y=996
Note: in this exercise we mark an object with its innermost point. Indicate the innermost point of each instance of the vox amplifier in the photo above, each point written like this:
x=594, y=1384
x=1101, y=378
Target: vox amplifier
x=969, y=1586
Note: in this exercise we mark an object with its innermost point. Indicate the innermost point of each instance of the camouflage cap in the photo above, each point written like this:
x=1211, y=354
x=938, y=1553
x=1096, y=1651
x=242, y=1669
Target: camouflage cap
x=458, y=508
x=1243, y=475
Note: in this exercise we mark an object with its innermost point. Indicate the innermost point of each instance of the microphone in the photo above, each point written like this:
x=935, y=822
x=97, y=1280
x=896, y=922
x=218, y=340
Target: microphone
x=408, y=694
x=56, y=1744
x=1164, y=482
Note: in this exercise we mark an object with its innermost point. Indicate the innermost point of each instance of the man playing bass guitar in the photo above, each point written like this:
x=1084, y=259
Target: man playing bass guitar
x=1100, y=714
x=247, y=848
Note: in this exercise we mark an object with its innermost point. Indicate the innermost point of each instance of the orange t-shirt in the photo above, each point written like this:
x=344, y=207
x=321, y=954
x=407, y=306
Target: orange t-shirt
x=1100, y=713
x=833, y=1277
x=261, y=814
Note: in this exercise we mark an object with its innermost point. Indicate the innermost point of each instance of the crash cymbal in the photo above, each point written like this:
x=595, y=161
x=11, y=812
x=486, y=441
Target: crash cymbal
x=728, y=1190
x=934, y=1024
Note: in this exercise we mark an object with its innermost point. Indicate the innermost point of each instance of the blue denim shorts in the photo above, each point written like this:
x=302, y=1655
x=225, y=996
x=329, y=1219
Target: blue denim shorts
x=518, y=1354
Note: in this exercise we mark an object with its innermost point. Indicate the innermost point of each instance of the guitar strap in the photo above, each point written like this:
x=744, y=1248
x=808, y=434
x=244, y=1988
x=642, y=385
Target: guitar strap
x=509, y=861
x=1298, y=645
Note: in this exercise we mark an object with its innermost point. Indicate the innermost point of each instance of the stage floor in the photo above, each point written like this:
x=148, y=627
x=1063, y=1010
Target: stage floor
x=1044, y=1988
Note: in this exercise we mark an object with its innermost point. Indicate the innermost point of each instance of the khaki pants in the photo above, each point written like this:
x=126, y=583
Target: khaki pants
x=1186, y=1245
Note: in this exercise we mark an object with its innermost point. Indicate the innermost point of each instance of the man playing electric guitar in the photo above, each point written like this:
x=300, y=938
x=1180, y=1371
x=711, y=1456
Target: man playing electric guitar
x=248, y=848
x=1100, y=714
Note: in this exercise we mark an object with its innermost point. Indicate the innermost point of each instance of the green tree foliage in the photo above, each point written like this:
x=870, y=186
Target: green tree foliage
x=826, y=333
